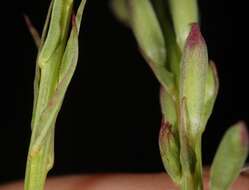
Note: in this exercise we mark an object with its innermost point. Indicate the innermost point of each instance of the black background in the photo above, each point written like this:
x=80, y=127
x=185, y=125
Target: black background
x=110, y=118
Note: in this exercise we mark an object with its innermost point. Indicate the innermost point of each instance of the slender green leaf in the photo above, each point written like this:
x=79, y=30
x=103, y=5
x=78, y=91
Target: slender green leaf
x=146, y=28
x=72, y=47
x=54, y=33
x=37, y=69
x=147, y=31
x=47, y=21
x=65, y=19
x=54, y=105
x=173, y=51
x=79, y=14
x=184, y=13
x=34, y=33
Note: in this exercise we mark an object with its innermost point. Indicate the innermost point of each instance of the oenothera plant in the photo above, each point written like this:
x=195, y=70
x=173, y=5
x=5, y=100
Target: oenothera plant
x=56, y=62
x=169, y=37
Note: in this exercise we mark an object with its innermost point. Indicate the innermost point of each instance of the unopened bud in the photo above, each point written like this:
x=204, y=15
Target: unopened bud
x=230, y=157
x=193, y=72
x=170, y=151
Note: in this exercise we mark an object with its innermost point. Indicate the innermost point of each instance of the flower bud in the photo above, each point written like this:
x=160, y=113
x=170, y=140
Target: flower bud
x=230, y=157
x=170, y=151
x=193, y=72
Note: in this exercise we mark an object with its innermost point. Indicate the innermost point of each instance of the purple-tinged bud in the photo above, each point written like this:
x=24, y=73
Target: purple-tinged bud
x=193, y=74
x=194, y=38
x=170, y=151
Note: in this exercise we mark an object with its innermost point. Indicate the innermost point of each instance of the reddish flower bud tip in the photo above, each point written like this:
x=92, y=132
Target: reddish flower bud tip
x=195, y=36
x=244, y=134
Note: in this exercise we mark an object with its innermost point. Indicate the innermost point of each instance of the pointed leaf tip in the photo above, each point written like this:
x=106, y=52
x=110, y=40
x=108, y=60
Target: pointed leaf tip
x=79, y=14
x=27, y=21
x=34, y=33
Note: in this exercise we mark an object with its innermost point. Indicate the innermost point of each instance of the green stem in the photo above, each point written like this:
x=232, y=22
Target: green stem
x=193, y=181
x=187, y=182
x=198, y=171
x=40, y=160
x=38, y=165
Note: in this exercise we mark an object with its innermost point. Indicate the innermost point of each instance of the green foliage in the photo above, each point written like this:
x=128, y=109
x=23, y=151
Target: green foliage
x=170, y=40
x=56, y=63
x=146, y=28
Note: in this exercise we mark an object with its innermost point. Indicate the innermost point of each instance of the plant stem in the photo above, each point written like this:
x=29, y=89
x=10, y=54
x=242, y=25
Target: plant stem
x=187, y=183
x=37, y=167
x=198, y=172
x=193, y=181
x=56, y=63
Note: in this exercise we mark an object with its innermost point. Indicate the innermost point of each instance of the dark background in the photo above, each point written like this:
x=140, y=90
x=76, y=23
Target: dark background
x=110, y=118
